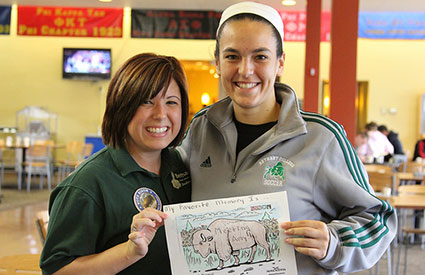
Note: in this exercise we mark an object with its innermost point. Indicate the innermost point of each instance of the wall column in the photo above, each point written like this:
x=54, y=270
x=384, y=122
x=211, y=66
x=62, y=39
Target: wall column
x=312, y=56
x=343, y=83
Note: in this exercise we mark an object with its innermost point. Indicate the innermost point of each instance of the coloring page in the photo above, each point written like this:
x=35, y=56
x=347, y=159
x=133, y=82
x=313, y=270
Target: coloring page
x=239, y=235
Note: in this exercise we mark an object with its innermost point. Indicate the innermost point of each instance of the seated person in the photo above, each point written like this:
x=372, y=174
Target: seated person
x=419, y=150
x=379, y=143
x=363, y=150
x=393, y=139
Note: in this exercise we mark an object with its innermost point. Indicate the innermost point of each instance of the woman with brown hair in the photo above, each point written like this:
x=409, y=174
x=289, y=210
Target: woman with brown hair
x=99, y=223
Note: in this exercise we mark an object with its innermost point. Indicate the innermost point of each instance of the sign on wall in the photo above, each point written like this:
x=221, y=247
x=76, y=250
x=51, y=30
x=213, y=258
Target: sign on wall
x=392, y=25
x=5, y=19
x=295, y=23
x=174, y=24
x=373, y=25
x=70, y=21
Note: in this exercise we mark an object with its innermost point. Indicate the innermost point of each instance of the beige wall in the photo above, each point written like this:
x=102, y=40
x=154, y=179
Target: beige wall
x=30, y=70
x=31, y=74
x=395, y=70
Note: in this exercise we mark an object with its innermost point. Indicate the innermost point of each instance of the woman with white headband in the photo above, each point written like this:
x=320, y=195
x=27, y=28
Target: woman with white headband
x=257, y=140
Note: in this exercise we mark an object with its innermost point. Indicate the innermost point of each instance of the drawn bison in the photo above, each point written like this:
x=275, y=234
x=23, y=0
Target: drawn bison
x=227, y=237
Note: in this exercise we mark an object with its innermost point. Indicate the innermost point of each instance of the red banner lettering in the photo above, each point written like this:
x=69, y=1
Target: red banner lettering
x=295, y=23
x=70, y=21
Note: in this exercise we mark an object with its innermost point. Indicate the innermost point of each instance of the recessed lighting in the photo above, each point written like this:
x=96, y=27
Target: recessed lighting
x=105, y=1
x=289, y=2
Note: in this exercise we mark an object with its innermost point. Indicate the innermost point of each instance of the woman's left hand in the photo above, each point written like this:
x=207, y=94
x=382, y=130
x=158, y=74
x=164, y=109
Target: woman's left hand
x=143, y=230
x=309, y=237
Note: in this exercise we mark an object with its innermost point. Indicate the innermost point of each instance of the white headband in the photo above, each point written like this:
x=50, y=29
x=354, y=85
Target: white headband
x=264, y=11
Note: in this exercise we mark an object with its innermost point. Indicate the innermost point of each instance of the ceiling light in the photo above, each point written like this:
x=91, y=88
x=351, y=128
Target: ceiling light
x=289, y=2
x=105, y=1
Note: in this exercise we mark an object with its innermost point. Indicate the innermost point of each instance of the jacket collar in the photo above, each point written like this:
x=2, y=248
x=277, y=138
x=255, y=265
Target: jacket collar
x=290, y=122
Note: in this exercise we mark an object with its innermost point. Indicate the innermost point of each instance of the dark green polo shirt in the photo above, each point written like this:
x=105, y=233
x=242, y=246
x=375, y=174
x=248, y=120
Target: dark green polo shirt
x=92, y=209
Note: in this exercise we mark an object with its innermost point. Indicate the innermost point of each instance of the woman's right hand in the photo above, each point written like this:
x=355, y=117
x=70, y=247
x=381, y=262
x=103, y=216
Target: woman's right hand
x=143, y=229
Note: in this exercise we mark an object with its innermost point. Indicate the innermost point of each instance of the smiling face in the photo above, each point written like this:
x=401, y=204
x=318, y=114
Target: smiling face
x=248, y=65
x=156, y=122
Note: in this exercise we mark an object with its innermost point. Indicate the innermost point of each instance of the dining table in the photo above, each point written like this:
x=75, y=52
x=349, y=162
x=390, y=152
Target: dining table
x=21, y=150
x=408, y=202
x=401, y=178
x=403, y=203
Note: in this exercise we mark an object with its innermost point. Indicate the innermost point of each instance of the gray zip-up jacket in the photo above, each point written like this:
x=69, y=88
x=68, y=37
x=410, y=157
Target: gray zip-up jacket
x=310, y=157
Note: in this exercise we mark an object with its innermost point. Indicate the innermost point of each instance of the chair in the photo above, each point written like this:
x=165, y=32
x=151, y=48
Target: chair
x=411, y=190
x=400, y=161
x=41, y=223
x=377, y=168
x=4, y=161
x=76, y=153
x=73, y=149
x=415, y=167
x=87, y=150
x=381, y=178
x=38, y=161
x=24, y=264
x=408, y=232
x=1, y=165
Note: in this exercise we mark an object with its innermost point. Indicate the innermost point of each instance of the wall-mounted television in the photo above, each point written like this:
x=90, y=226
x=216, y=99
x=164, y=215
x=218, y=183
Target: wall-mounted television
x=85, y=63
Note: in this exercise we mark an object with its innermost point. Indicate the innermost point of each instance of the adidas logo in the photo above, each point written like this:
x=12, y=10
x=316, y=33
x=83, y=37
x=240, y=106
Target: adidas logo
x=206, y=163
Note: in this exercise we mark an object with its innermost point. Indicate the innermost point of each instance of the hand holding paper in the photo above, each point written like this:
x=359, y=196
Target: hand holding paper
x=230, y=235
x=311, y=238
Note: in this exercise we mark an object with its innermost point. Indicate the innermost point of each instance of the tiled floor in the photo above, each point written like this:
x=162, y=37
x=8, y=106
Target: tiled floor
x=18, y=233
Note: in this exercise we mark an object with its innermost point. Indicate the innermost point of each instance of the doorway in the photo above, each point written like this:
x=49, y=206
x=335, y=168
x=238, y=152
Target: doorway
x=361, y=102
x=203, y=84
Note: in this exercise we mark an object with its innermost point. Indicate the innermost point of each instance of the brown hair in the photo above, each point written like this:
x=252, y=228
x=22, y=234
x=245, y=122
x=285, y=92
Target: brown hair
x=138, y=80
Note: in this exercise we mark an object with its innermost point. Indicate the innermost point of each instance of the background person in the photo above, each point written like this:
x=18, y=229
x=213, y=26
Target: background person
x=379, y=143
x=230, y=145
x=419, y=151
x=393, y=139
x=92, y=210
x=363, y=150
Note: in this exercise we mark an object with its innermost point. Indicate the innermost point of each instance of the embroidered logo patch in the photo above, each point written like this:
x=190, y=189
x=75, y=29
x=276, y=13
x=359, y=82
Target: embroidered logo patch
x=145, y=197
x=178, y=180
x=275, y=170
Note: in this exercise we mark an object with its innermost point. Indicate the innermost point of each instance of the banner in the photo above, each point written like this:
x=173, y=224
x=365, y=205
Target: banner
x=295, y=23
x=392, y=25
x=5, y=19
x=174, y=24
x=70, y=21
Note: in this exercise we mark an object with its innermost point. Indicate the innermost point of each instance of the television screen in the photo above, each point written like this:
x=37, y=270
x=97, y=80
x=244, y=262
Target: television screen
x=86, y=63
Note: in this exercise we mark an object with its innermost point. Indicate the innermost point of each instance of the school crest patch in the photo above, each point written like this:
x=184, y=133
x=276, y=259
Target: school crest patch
x=145, y=197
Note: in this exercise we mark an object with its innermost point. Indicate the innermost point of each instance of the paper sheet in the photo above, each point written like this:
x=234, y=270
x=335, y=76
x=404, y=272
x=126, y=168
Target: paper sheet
x=239, y=235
